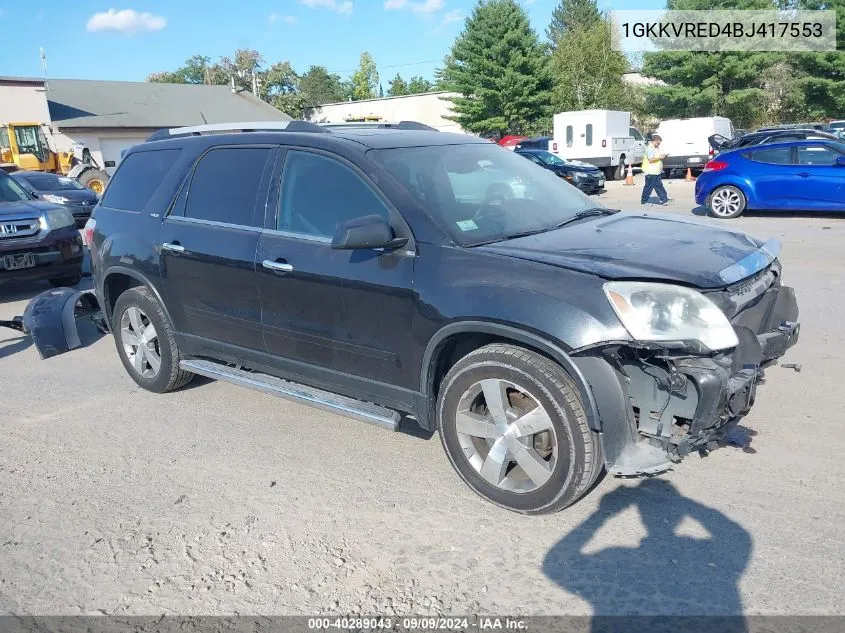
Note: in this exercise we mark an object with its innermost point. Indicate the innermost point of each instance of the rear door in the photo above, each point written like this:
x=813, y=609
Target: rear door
x=208, y=247
x=819, y=183
x=773, y=176
x=335, y=317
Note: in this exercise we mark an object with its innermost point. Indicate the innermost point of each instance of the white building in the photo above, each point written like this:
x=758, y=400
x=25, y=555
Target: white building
x=110, y=116
x=430, y=108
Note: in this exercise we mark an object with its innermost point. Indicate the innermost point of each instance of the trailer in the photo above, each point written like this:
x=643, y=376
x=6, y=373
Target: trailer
x=603, y=138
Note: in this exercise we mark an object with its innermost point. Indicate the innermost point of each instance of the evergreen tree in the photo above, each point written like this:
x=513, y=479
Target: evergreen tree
x=572, y=15
x=365, y=81
x=498, y=68
x=418, y=85
x=397, y=86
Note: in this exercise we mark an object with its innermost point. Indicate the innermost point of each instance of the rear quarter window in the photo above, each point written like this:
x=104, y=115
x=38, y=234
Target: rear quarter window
x=139, y=177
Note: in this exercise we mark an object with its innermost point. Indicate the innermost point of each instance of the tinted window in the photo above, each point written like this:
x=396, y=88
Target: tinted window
x=532, y=158
x=479, y=193
x=589, y=133
x=138, y=178
x=10, y=191
x=319, y=192
x=569, y=136
x=779, y=156
x=816, y=156
x=225, y=185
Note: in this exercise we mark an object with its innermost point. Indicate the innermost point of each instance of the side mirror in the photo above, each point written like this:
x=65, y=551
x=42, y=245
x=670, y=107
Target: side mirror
x=840, y=161
x=370, y=231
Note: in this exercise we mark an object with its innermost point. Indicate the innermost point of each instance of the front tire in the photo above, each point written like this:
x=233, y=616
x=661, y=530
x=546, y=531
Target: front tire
x=514, y=428
x=726, y=202
x=145, y=342
x=94, y=179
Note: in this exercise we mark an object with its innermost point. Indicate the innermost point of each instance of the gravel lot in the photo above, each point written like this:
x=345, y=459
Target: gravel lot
x=216, y=500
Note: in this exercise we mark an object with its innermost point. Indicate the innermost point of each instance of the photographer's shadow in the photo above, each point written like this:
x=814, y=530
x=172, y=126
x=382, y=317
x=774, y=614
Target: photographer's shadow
x=667, y=574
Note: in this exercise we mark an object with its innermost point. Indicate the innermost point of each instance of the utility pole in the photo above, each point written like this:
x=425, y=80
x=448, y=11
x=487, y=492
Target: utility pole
x=44, y=67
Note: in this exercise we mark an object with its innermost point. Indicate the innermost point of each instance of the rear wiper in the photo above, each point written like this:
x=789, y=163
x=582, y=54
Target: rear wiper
x=587, y=213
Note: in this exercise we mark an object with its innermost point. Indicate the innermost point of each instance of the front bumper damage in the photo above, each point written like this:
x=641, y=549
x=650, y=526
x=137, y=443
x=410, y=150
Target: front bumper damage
x=52, y=319
x=659, y=405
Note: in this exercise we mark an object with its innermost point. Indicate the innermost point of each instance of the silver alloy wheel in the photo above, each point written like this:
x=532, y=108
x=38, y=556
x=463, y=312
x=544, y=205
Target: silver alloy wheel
x=140, y=342
x=725, y=202
x=506, y=435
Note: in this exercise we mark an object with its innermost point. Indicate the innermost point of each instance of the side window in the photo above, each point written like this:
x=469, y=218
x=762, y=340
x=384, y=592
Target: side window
x=634, y=132
x=319, y=192
x=779, y=156
x=569, y=136
x=532, y=158
x=225, y=185
x=4, y=137
x=816, y=155
x=589, y=134
x=138, y=178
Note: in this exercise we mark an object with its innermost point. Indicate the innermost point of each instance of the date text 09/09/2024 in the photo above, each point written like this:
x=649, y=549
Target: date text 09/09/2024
x=417, y=623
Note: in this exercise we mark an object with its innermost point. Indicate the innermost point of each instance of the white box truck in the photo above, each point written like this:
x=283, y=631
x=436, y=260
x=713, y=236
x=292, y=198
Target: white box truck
x=603, y=138
x=686, y=140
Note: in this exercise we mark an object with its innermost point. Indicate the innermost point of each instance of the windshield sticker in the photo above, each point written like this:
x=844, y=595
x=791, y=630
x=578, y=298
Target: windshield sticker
x=467, y=225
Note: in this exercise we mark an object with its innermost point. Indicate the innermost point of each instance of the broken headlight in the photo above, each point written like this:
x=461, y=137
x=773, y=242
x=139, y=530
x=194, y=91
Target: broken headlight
x=56, y=219
x=664, y=312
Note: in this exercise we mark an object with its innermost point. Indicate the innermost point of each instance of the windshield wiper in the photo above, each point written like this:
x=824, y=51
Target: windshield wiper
x=587, y=213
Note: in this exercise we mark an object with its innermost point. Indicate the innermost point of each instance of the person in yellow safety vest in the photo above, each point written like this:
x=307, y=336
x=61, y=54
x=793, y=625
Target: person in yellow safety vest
x=653, y=170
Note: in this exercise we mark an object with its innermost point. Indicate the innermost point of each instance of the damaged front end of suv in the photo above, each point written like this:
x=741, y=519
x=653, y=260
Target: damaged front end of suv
x=691, y=372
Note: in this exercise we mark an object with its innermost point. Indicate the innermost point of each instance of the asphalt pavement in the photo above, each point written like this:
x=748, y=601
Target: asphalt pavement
x=217, y=500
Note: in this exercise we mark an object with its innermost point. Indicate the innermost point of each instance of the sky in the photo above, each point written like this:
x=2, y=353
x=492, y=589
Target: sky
x=94, y=39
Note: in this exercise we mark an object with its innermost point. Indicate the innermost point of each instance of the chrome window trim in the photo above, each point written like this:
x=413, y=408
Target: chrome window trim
x=299, y=236
x=222, y=225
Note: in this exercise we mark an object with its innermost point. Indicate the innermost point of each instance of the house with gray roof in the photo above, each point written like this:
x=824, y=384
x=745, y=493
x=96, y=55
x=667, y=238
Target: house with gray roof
x=109, y=116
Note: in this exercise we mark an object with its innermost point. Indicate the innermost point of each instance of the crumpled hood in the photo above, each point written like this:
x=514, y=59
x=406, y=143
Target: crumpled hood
x=30, y=207
x=653, y=246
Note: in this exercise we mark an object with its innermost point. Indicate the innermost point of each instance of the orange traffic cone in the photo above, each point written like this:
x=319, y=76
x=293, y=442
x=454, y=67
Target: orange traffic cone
x=629, y=179
x=689, y=177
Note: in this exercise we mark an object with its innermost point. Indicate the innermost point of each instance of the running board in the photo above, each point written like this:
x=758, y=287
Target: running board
x=363, y=411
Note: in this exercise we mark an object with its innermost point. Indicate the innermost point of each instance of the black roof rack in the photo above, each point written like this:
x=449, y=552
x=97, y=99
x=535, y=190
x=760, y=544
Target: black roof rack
x=223, y=128
x=401, y=125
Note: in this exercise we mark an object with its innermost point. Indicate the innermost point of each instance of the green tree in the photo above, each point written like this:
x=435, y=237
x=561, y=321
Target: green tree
x=241, y=66
x=278, y=85
x=318, y=86
x=498, y=69
x=397, y=87
x=365, y=81
x=586, y=71
x=572, y=15
x=197, y=69
x=418, y=85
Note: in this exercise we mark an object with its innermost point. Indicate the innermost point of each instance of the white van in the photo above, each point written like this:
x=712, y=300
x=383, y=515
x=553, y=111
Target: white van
x=685, y=140
x=603, y=138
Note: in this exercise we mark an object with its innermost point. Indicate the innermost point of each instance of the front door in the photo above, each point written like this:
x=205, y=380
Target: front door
x=208, y=248
x=334, y=316
x=819, y=183
x=773, y=176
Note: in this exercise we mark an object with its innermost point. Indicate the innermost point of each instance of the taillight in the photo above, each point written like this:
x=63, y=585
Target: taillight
x=604, y=142
x=715, y=165
x=88, y=232
x=712, y=152
x=554, y=147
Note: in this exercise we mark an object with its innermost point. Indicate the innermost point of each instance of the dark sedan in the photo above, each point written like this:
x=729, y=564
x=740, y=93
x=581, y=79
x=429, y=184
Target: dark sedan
x=588, y=178
x=59, y=190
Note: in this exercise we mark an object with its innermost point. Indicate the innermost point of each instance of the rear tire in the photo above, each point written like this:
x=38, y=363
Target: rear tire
x=533, y=452
x=619, y=172
x=145, y=342
x=94, y=179
x=726, y=202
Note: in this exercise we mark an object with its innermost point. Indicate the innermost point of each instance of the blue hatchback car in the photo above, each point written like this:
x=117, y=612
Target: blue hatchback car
x=792, y=176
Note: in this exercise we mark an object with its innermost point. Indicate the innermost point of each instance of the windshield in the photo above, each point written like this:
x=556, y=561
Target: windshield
x=481, y=193
x=10, y=191
x=549, y=158
x=49, y=182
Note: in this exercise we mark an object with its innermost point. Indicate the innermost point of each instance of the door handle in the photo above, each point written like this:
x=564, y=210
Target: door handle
x=282, y=267
x=173, y=248
x=803, y=174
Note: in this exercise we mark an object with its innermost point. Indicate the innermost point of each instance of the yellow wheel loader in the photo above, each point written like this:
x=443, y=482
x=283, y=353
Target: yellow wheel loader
x=24, y=146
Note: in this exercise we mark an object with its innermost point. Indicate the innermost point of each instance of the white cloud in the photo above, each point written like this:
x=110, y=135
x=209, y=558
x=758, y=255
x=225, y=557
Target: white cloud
x=339, y=6
x=277, y=17
x=420, y=6
x=126, y=21
x=456, y=15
